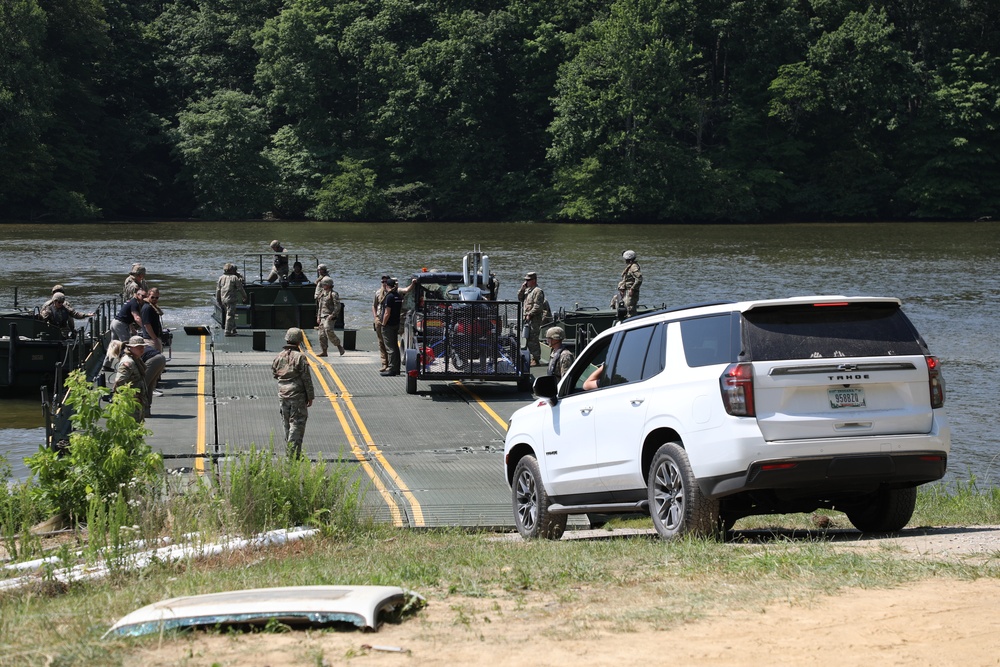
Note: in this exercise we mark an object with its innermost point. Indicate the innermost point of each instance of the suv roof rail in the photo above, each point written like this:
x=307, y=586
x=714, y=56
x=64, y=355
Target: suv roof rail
x=690, y=306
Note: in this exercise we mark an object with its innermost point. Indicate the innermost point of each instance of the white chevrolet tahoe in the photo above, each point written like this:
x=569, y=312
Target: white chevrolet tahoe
x=706, y=414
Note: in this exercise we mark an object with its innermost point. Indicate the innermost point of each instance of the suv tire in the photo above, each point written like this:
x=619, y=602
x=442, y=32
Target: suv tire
x=531, y=503
x=887, y=511
x=676, y=503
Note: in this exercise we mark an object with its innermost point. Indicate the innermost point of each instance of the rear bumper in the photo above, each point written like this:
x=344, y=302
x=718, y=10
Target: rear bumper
x=832, y=473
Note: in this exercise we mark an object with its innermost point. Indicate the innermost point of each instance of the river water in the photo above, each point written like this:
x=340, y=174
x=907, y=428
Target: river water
x=947, y=276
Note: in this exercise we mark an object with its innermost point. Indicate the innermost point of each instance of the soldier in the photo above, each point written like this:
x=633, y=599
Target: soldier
x=228, y=291
x=296, y=277
x=280, y=267
x=377, y=313
x=69, y=307
x=628, y=286
x=321, y=272
x=327, y=310
x=295, y=390
x=561, y=358
x=56, y=312
x=533, y=299
x=131, y=371
x=134, y=281
x=391, y=311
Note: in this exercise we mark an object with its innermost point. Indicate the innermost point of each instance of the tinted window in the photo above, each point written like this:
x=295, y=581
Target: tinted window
x=632, y=355
x=707, y=340
x=820, y=332
x=639, y=354
x=656, y=358
x=588, y=362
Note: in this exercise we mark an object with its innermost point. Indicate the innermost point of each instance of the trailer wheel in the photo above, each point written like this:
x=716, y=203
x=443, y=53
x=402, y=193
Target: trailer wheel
x=411, y=384
x=524, y=383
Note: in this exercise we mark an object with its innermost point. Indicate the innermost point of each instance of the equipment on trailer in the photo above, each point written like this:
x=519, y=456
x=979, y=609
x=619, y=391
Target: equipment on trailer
x=456, y=329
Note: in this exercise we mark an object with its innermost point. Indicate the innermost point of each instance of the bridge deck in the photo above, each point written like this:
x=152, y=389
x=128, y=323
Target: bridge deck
x=430, y=459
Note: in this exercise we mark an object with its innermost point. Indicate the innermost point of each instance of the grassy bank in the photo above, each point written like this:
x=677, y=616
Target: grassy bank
x=665, y=583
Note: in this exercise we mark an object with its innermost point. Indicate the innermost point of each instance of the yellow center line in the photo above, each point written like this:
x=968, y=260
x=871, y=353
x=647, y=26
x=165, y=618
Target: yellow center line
x=487, y=409
x=199, y=461
x=418, y=515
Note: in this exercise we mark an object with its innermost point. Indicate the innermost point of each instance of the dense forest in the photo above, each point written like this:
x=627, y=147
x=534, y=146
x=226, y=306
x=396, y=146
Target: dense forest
x=585, y=110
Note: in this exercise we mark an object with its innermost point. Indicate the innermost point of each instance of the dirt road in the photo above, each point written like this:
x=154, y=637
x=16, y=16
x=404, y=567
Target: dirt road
x=932, y=622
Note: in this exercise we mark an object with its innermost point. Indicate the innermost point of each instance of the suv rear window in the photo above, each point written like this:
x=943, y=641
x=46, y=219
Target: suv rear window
x=828, y=331
x=708, y=340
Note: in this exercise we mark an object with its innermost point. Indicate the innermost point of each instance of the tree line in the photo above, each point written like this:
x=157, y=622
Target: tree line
x=585, y=110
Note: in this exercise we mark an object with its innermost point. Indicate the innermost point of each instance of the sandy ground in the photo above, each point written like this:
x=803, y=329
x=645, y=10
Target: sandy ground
x=932, y=622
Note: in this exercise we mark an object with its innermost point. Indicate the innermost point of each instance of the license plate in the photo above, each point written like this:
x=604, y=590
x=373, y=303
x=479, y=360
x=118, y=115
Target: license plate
x=848, y=397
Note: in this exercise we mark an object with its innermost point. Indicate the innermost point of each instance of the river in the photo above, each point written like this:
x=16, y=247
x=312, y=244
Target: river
x=947, y=276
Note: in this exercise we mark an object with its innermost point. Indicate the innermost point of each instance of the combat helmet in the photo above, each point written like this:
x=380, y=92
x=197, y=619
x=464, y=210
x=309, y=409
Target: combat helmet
x=557, y=333
x=293, y=336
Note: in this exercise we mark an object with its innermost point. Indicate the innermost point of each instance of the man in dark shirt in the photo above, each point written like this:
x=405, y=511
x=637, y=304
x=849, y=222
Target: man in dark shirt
x=391, y=308
x=152, y=329
x=129, y=316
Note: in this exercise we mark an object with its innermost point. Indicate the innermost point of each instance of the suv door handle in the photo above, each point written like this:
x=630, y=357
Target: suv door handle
x=586, y=410
x=636, y=402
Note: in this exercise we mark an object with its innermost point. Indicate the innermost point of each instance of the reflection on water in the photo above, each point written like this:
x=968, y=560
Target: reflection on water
x=16, y=444
x=946, y=274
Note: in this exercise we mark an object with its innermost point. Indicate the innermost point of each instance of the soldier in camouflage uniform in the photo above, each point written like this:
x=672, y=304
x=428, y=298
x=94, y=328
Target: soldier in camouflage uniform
x=533, y=299
x=58, y=312
x=228, y=291
x=134, y=281
x=327, y=310
x=321, y=272
x=295, y=390
x=131, y=371
x=279, y=268
x=628, y=286
x=561, y=358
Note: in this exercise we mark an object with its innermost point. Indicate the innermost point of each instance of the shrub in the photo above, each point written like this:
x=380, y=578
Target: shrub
x=107, y=453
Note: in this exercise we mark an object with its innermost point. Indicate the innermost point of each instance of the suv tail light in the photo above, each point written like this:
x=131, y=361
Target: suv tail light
x=936, y=381
x=737, y=390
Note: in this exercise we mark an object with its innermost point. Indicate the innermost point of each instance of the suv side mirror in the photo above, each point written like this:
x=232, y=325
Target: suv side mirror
x=545, y=386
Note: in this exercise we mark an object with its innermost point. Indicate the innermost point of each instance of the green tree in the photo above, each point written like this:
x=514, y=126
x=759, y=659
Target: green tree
x=955, y=144
x=352, y=194
x=26, y=94
x=846, y=103
x=625, y=138
x=221, y=143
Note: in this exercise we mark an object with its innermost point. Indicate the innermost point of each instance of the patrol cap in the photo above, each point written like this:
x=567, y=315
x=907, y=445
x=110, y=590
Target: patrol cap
x=58, y=296
x=275, y=245
x=390, y=282
x=326, y=280
x=385, y=278
x=136, y=340
x=531, y=275
x=293, y=335
x=58, y=288
x=556, y=333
